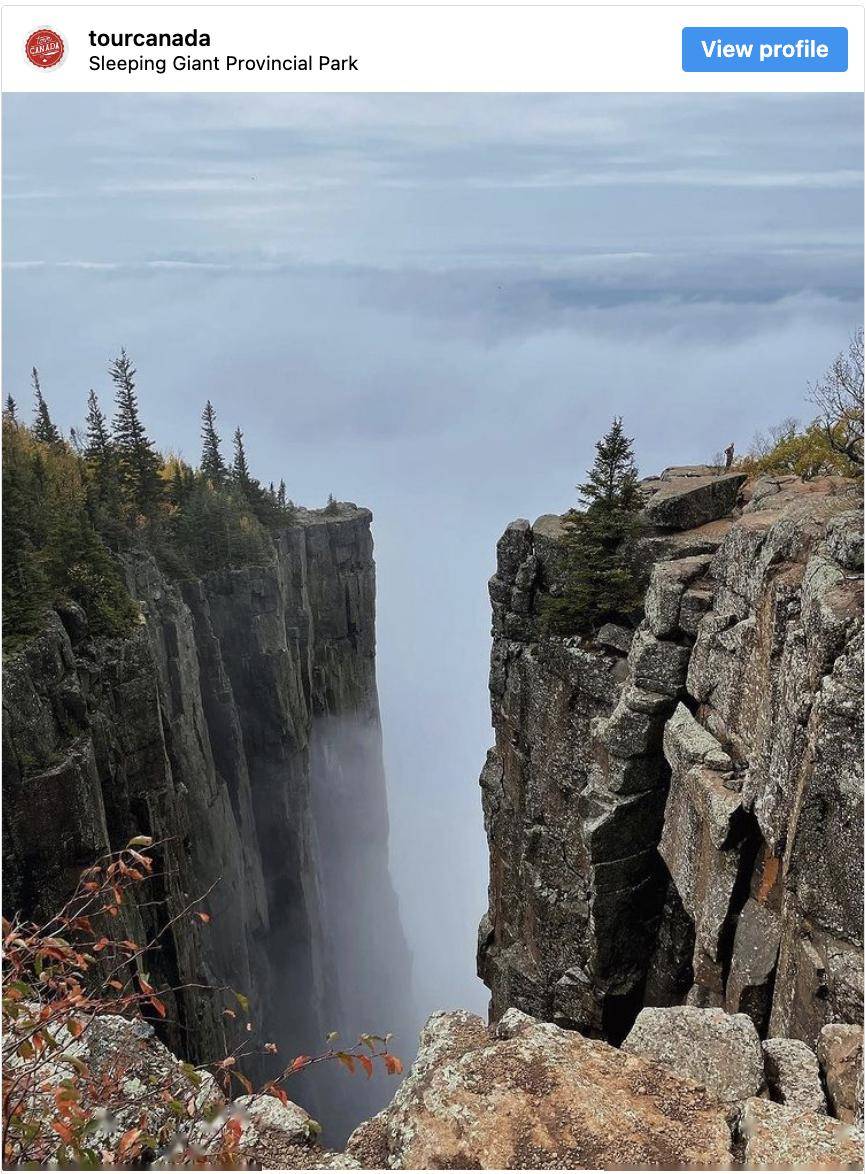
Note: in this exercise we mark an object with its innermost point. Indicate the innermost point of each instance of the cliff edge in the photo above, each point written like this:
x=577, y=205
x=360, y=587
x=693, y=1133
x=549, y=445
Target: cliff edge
x=674, y=813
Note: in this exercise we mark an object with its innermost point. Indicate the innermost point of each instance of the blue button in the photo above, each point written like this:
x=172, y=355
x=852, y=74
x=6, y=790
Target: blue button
x=765, y=50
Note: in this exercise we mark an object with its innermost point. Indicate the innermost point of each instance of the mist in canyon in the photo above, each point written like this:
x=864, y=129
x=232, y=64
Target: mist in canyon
x=431, y=305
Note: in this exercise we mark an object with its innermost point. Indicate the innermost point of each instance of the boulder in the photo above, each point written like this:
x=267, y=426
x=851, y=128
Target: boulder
x=657, y=666
x=793, y=1077
x=684, y=503
x=536, y=1096
x=719, y=1051
x=840, y=1053
x=778, y=1137
x=687, y=744
x=615, y=636
x=668, y=582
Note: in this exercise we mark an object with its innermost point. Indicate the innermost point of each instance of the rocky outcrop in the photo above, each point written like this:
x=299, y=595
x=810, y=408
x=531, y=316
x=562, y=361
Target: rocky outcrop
x=523, y=1093
x=529, y=1095
x=238, y=726
x=674, y=813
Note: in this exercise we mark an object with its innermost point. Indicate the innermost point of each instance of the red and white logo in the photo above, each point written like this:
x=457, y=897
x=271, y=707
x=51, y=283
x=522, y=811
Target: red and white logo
x=44, y=49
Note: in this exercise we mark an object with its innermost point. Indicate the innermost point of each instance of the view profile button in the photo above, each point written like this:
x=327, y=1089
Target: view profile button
x=765, y=50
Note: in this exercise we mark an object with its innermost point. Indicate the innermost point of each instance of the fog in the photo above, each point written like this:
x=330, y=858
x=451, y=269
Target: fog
x=432, y=306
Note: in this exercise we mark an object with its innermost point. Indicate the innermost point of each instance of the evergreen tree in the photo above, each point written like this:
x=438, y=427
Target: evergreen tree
x=11, y=409
x=212, y=464
x=138, y=462
x=98, y=447
x=599, y=582
x=281, y=495
x=44, y=428
x=240, y=469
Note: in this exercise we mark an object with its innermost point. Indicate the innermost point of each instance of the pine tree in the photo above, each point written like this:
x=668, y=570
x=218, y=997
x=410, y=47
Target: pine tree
x=11, y=409
x=212, y=464
x=240, y=469
x=44, y=428
x=281, y=495
x=599, y=582
x=138, y=463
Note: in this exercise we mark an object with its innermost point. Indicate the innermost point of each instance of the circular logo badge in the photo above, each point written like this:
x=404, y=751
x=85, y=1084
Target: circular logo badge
x=44, y=48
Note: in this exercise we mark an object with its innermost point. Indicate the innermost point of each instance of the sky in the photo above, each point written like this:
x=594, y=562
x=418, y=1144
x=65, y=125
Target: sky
x=432, y=305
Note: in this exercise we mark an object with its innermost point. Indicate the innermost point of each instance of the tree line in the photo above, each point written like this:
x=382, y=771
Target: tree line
x=73, y=506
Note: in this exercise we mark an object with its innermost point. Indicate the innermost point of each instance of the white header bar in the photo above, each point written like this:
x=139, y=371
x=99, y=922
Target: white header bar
x=394, y=49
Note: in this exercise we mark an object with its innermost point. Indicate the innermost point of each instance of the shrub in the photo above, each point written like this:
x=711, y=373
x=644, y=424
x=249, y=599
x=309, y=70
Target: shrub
x=60, y=980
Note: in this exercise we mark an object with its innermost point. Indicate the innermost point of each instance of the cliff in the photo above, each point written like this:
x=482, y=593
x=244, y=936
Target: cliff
x=239, y=725
x=674, y=813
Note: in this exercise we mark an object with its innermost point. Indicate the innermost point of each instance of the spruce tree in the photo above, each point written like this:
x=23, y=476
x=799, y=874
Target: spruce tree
x=599, y=582
x=240, y=469
x=212, y=464
x=281, y=495
x=11, y=409
x=138, y=462
x=44, y=428
x=98, y=445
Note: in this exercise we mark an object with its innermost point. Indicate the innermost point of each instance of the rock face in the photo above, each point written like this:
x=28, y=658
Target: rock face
x=239, y=723
x=675, y=815
x=531, y=1095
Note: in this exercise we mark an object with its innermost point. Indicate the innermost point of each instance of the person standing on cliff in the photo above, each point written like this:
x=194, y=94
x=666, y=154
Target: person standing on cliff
x=729, y=455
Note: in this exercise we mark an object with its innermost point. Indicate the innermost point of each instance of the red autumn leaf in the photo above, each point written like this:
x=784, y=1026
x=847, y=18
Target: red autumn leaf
x=145, y=985
x=393, y=1066
x=347, y=1061
x=158, y=1006
x=367, y=1064
x=63, y=1129
x=74, y=1027
x=128, y=1141
x=205, y=917
x=299, y=1062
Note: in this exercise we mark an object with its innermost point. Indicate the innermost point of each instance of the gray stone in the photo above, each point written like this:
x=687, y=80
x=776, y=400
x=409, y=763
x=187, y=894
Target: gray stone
x=74, y=619
x=697, y=500
x=687, y=744
x=840, y=1052
x=779, y=1137
x=668, y=582
x=628, y=732
x=694, y=605
x=793, y=1077
x=845, y=540
x=722, y=1052
x=615, y=636
x=753, y=962
x=657, y=666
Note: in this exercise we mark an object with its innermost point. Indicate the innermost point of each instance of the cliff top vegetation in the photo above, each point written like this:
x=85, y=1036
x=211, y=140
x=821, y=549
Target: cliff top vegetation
x=73, y=506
